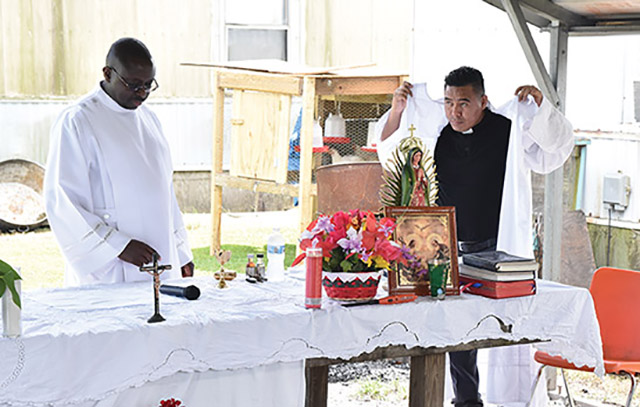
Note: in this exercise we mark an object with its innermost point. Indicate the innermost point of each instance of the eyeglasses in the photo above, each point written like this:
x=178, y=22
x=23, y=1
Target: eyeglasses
x=147, y=87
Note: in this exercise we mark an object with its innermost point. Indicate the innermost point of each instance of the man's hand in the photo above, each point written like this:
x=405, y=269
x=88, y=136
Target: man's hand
x=187, y=269
x=137, y=253
x=526, y=90
x=398, y=104
x=400, y=95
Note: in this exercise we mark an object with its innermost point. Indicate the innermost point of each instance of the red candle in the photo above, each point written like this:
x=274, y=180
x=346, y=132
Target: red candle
x=313, y=297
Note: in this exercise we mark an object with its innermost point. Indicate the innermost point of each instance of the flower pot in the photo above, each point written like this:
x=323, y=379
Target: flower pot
x=342, y=286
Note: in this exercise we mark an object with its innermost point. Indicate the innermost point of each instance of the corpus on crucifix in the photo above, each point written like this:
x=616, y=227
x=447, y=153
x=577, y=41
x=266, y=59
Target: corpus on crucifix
x=155, y=270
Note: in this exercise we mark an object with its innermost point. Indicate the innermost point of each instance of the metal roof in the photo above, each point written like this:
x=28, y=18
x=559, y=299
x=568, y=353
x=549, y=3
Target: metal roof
x=582, y=17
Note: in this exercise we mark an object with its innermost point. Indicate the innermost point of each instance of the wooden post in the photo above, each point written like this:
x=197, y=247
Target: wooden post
x=216, y=161
x=426, y=381
x=306, y=151
x=316, y=386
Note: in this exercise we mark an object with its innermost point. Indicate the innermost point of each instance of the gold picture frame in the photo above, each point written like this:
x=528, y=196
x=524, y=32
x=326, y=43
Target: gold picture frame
x=425, y=230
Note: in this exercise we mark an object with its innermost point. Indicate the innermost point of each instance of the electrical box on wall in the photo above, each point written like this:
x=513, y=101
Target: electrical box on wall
x=616, y=189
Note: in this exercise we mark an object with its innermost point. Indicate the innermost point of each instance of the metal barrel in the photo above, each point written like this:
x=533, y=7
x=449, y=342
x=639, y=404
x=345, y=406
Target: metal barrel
x=21, y=199
x=347, y=186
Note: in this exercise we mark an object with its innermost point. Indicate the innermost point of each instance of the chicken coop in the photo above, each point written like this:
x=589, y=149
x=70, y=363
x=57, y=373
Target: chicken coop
x=286, y=122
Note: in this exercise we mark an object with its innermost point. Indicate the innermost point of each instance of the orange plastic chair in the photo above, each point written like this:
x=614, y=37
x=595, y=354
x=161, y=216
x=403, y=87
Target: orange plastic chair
x=616, y=295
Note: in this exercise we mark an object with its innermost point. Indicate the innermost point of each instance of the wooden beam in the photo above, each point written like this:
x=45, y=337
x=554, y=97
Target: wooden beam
x=306, y=152
x=380, y=99
x=426, y=381
x=357, y=85
x=216, y=162
x=398, y=351
x=256, y=185
x=262, y=82
x=316, y=386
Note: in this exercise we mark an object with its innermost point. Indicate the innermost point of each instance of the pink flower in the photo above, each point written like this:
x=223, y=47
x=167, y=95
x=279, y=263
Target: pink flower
x=356, y=237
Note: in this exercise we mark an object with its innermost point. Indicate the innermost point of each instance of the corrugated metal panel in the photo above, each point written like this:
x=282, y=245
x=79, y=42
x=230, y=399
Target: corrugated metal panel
x=187, y=126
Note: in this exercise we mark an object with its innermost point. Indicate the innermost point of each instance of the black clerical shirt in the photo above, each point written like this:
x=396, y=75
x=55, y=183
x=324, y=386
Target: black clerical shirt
x=470, y=172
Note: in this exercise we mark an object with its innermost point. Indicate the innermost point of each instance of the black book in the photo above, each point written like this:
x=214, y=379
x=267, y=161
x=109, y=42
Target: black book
x=490, y=275
x=499, y=261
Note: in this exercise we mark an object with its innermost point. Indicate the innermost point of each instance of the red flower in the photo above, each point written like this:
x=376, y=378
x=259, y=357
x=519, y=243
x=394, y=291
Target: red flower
x=340, y=221
x=369, y=248
x=387, y=250
x=170, y=403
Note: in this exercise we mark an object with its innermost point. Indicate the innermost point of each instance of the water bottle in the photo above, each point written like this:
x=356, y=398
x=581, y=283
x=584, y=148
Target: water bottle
x=275, y=256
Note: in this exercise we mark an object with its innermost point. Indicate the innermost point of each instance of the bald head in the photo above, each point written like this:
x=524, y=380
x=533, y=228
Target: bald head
x=129, y=74
x=128, y=51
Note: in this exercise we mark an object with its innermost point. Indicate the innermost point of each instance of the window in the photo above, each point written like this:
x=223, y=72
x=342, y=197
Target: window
x=256, y=29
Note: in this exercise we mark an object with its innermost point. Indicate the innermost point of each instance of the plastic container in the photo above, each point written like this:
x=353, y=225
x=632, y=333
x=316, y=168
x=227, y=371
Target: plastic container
x=317, y=134
x=260, y=269
x=275, y=256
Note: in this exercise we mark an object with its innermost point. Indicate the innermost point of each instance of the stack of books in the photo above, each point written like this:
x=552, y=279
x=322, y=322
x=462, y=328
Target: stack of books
x=497, y=274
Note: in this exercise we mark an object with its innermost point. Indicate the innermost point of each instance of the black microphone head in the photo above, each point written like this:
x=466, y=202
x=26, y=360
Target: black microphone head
x=192, y=292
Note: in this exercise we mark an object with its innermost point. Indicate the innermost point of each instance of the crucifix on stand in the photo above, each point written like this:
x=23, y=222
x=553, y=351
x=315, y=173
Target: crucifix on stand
x=155, y=271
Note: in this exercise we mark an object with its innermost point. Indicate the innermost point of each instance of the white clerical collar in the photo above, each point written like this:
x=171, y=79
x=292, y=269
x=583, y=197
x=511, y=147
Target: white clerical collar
x=110, y=103
x=470, y=131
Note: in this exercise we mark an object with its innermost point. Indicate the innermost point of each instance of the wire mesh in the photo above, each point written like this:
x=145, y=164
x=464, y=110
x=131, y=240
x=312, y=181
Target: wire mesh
x=344, y=127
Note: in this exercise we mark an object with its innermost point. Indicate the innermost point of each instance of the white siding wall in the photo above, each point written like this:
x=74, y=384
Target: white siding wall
x=606, y=155
x=187, y=125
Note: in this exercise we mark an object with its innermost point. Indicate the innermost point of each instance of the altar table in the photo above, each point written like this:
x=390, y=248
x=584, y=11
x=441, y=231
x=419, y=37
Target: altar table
x=92, y=346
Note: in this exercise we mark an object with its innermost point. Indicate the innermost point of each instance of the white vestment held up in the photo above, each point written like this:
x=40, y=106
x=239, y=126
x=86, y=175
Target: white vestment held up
x=108, y=181
x=541, y=140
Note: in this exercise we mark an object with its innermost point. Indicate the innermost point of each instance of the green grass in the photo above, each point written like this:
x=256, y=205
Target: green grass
x=41, y=264
x=372, y=389
x=208, y=263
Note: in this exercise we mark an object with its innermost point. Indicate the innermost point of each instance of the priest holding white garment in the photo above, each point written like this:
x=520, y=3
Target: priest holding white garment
x=108, y=184
x=484, y=157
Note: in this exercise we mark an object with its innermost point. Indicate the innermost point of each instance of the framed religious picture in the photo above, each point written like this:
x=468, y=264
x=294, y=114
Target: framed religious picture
x=429, y=233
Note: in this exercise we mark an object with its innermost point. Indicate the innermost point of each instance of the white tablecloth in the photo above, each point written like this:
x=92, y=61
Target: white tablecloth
x=87, y=344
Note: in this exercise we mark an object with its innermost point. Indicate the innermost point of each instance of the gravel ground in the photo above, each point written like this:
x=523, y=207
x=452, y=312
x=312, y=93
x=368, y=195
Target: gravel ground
x=380, y=383
x=385, y=383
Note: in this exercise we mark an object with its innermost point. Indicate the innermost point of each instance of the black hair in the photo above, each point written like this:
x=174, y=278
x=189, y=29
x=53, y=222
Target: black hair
x=464, y=76
x=128, y=50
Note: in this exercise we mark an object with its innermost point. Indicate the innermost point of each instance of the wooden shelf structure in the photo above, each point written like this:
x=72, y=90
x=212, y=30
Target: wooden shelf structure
x=261, y=127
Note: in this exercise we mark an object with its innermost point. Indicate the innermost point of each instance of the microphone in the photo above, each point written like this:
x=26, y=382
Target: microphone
x=190, y=292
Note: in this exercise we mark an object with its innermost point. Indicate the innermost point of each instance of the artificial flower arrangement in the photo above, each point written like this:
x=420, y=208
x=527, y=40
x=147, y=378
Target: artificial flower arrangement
x=352, y=242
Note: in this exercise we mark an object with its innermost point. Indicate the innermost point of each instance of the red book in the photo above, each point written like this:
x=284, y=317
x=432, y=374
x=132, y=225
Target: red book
x=498, y=289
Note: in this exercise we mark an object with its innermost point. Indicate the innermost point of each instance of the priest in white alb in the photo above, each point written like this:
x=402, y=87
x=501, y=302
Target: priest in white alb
x=108, y=184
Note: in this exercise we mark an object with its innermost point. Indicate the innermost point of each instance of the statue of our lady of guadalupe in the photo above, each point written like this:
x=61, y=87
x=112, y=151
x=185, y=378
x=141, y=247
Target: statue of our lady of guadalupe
x=415, y=185
x=410, y=176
